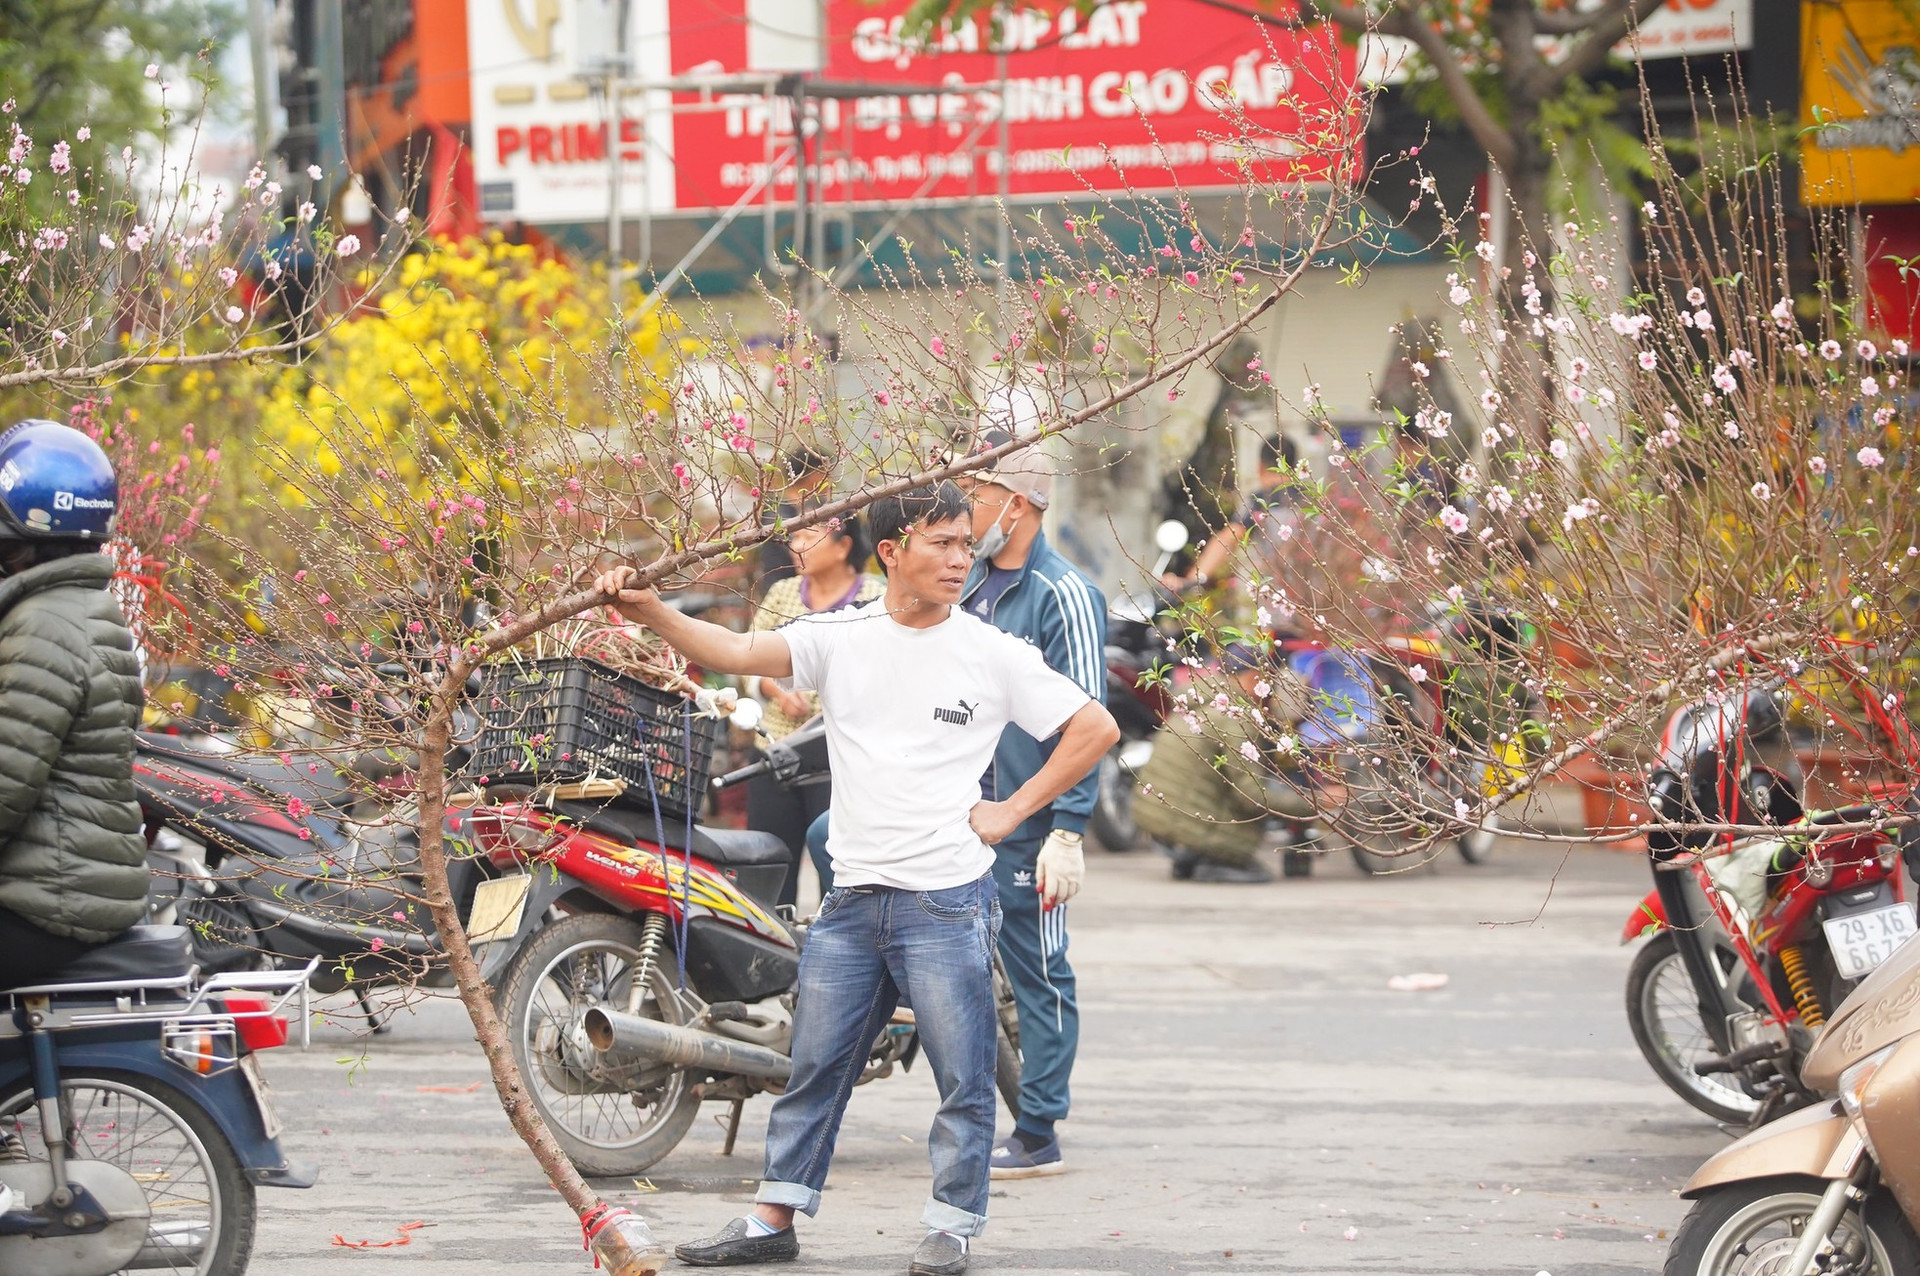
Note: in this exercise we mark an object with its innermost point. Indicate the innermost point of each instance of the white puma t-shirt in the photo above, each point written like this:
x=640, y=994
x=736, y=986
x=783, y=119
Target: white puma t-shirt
x=913, y=716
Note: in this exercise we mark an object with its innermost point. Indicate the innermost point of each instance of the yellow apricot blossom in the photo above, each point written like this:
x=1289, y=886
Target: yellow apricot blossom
x=467, y=329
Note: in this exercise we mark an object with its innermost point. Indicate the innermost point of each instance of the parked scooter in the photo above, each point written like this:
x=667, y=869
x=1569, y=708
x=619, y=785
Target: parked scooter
x=642, y=963
x=649, y=971
x=1753, y=940
x=1835, y=1187
x=273, y=863
x=271, y=866
x=1377, y=808
x=134, y=1119
x=1136, y=647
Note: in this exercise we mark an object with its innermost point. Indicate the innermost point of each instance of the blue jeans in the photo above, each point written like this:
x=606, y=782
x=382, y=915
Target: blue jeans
x=817, y=852
x=870, y=945
x=1033, y=947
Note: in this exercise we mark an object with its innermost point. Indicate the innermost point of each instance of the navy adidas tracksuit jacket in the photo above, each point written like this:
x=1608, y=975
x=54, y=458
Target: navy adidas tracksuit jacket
x=1058, y=610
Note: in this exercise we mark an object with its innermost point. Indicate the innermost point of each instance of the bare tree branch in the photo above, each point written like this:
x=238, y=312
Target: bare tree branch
x=1524, y=73
x=1568, y=21
x=86, y=373
x=1264, y=18
x=1634, y=708
x=1494, y=137
x=1608, y=30
x=506, y=635
x=81, y=374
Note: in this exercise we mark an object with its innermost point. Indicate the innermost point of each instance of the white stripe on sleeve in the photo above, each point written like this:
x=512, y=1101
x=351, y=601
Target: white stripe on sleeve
x=1085, y=660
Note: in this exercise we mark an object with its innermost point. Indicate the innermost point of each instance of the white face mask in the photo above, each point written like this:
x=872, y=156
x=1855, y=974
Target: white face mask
x=995, y=538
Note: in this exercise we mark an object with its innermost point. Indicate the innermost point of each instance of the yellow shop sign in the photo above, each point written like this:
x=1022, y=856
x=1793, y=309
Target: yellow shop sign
x=1860, y=101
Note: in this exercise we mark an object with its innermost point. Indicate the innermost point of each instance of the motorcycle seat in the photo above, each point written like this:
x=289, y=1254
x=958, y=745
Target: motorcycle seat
x=144, y=952
x=741, y=848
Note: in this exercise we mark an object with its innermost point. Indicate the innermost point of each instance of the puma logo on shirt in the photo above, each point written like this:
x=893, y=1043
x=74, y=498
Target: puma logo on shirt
x=958, y=717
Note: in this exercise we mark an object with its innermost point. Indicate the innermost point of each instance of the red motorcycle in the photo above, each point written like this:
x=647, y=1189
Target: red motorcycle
x=650, y=968
x=1754, y=939
x=669, y=938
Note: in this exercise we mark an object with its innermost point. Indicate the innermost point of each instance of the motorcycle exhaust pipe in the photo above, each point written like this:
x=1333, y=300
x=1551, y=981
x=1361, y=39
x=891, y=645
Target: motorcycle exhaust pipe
x=632, y=1039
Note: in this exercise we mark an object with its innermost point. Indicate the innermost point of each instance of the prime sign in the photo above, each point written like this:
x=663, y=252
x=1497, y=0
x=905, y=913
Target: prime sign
x=1132, y=93
x=541, y=119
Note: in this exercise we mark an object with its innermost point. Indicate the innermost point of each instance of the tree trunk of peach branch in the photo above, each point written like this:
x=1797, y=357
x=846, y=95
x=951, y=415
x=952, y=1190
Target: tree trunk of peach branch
x=489, y=1028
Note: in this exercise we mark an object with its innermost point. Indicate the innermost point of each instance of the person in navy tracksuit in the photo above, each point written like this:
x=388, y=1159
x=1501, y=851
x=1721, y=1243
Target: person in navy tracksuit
x=1021, y=585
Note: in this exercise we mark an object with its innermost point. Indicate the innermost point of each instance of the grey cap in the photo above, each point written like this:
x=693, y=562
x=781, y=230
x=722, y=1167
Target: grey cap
x=1028, y=472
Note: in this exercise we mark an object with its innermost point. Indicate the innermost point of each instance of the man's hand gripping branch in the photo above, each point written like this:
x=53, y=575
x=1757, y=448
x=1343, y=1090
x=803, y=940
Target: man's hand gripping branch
x=708, y=645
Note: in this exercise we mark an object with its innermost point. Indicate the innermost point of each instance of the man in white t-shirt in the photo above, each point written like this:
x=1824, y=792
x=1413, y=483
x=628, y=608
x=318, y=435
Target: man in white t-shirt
x=915, y=694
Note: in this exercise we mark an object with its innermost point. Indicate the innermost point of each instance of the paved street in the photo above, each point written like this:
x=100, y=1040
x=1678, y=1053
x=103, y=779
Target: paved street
x=1249, y=1097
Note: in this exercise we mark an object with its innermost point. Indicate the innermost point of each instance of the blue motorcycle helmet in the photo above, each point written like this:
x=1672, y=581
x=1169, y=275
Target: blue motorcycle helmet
x=56, y=486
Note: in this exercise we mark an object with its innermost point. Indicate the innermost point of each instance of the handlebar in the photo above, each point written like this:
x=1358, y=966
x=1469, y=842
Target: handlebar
x=798, y=759
x=743, y=774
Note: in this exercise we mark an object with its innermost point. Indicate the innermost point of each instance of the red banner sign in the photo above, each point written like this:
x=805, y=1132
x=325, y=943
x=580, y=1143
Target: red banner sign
x=1135, y=93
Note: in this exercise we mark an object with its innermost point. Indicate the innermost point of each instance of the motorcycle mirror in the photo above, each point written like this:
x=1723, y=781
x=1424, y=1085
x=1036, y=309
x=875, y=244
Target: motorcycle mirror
x=1170, y=537
x=746, y=715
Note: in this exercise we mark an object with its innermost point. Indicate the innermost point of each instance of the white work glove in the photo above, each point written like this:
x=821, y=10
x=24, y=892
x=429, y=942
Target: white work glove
x=1059, y=870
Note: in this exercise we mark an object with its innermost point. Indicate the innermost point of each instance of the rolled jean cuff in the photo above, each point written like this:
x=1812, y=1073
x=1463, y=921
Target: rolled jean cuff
x=796, y=1196
x=950, y=1218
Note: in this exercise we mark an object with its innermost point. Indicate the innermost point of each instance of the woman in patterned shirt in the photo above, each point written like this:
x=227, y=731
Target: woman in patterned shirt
x=829, y=559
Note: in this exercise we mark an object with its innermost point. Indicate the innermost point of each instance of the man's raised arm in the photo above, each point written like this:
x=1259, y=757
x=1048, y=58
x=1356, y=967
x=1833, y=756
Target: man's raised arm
x=706, y=644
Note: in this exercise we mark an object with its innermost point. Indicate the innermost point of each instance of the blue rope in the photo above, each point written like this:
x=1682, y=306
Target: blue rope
x=660, y=841
x=686, y=851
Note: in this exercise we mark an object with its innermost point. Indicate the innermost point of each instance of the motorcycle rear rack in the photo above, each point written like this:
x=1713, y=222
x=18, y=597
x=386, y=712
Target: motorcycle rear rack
x=138, y=1001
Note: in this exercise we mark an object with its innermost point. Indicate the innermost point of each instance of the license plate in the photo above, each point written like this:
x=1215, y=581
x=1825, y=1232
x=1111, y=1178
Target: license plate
x=1861, y=941
x=497, y=906
x=262, y=1095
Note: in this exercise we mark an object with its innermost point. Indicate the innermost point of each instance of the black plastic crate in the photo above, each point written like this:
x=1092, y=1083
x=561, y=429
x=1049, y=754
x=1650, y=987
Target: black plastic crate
x=565, y=719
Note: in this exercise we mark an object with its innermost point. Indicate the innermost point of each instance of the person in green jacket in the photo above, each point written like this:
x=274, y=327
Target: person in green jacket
x=1205, y=793
x=73, y=871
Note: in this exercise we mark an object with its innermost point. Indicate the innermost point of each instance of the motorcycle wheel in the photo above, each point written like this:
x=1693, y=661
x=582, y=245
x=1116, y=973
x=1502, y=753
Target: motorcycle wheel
x=1372, y=862
x=1381, y=818
x=1373, y=821
x=610, y=1122
x=203, y=1208
x=1752, y=1227
x=1476, y=845
x=1006, y=1040
x=1664, y=1012
x=1111, y=819
x=1006, y=1073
